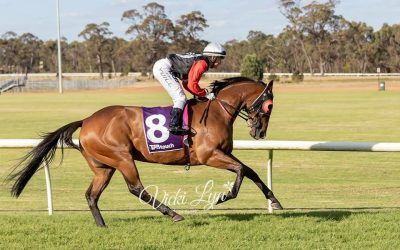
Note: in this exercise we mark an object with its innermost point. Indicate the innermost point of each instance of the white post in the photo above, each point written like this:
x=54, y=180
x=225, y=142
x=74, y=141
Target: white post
x=48, y=188
x=60, y=85
x=269, y=177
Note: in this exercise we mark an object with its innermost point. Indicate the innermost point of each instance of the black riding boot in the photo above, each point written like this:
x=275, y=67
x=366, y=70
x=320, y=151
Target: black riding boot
x=175, y=125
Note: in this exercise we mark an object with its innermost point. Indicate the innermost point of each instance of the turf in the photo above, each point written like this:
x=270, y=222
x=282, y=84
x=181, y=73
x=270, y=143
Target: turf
x=333, y=199
x=289, y=230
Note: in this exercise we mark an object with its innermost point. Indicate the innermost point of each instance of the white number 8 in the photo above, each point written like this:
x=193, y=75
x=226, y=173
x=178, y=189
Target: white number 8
x=153, y=127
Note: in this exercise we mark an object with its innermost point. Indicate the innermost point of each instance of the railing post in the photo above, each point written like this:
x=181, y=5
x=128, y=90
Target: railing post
x=269, y=177
x=48, y=188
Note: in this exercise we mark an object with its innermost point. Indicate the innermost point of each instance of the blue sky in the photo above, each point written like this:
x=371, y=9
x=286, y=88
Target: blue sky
x=228, y=19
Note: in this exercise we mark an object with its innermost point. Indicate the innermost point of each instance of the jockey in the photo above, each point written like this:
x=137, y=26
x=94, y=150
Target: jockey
x=188, y=68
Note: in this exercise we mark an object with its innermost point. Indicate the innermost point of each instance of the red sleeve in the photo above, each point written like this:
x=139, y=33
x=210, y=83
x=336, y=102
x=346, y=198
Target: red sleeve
x=195, y=73
x=185, y=84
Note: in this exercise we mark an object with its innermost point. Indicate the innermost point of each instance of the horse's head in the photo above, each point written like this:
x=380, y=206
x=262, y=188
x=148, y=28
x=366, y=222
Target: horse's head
x=251, y=102
x=259, y=108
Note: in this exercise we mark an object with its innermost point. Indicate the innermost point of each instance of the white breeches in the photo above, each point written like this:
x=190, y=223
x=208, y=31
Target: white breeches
x=162, y=72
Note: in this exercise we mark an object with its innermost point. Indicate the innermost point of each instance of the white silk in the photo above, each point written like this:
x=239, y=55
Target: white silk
x=162, y=72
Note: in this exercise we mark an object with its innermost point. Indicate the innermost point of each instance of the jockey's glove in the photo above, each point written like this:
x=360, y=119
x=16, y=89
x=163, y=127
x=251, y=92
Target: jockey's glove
x=210, y=96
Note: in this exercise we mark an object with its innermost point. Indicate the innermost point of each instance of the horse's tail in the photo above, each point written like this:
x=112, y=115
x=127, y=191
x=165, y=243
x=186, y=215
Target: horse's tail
x=43, y=152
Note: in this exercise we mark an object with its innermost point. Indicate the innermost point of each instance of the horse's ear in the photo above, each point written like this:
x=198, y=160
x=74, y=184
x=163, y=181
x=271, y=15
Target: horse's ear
x=270, y=85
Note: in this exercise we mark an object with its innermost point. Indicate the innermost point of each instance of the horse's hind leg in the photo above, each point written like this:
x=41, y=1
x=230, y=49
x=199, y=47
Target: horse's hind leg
x=131, y=175
x=102, y=176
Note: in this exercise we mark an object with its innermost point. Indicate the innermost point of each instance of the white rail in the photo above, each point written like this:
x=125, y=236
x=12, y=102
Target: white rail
x=244, y=145
x=319, y=146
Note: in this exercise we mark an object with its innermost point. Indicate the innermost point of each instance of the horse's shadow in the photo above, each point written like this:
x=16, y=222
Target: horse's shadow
x=334, y=215
x=236, y=216
x=193, y=220
x=326, y=215
x=331, y=215
x=203, y=220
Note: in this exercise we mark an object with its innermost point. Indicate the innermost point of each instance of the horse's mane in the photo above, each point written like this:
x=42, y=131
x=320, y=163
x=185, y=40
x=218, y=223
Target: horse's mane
x=217, y=86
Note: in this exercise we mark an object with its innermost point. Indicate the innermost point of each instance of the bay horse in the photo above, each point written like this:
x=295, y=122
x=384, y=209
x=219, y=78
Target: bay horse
x=113, y=139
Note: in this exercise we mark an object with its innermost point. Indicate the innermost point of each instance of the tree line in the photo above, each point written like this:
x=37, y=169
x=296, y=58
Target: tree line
x=316, y=40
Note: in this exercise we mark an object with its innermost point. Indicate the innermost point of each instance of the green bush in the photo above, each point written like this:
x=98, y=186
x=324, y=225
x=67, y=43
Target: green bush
x=252, y=67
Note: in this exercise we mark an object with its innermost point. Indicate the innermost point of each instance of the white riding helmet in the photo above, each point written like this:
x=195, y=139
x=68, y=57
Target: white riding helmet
x=214, y=49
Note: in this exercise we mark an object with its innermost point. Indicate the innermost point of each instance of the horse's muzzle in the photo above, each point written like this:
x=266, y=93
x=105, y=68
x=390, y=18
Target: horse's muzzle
x=257, y=133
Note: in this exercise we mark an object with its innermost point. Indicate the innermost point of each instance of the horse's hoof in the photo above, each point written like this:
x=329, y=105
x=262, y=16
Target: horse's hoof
x=177, y=218
x=221, y=199
x=276, y=206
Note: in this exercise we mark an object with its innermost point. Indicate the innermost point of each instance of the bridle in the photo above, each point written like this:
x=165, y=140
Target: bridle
x=260, y=107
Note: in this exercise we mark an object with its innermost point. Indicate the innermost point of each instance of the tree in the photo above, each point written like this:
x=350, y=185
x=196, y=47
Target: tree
x=356, y=41
x=252, y=67
x=124, y=57
x=96, y=36
x=235, y=53
x=288, y=53
x=28, y=52
x=312, y=24
x=76, y=59
x=152, y=31
x=187, y=32
x=9, y=46
x=291, y=9
x=48, y=56
x=387, y=45
x=394, y=48
x=318, y=23
x=264, y=46
x=115, y=59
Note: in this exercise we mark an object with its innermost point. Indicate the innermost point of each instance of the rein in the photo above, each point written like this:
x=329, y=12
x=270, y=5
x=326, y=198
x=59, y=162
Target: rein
x=242, y=114
x=205, y=113
x=224, y=106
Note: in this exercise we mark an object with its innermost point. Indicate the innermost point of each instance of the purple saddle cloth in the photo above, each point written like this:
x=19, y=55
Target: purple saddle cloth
x=158, y=137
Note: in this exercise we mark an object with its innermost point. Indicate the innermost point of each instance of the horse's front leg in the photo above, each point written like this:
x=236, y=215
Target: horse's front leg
x=252, y=175
x=221, y=160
